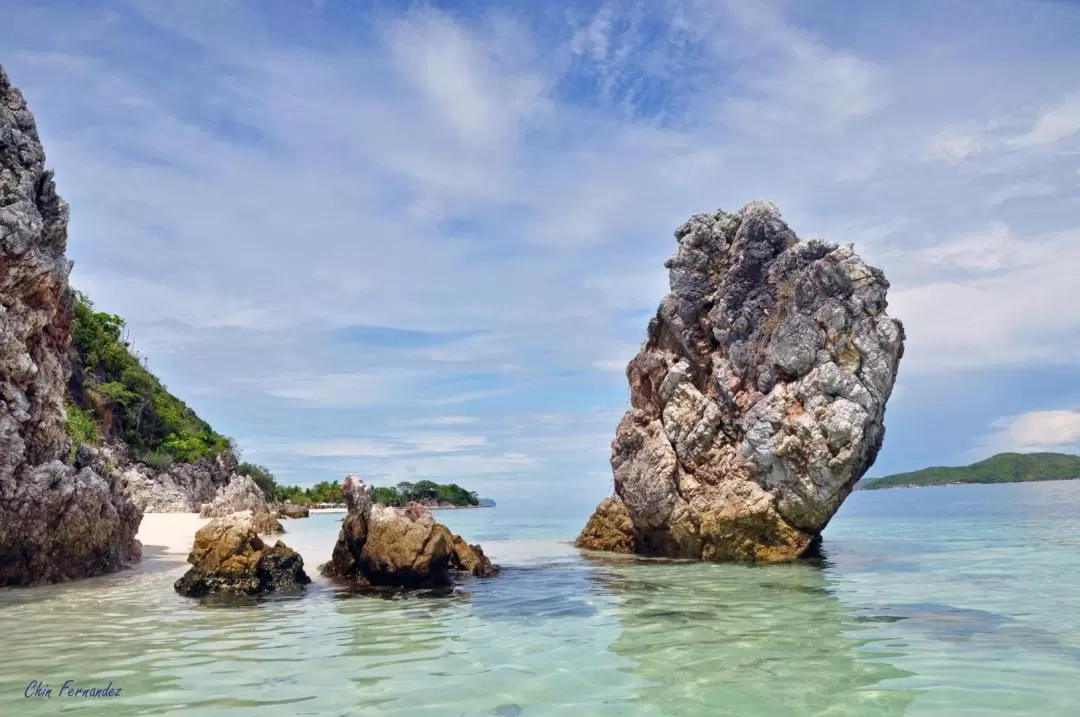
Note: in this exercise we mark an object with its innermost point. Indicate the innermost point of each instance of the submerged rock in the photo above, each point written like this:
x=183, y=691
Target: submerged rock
x=386, y=546
x=758, y=398
x=228, y=556
x=57, y=522
x=239, y=494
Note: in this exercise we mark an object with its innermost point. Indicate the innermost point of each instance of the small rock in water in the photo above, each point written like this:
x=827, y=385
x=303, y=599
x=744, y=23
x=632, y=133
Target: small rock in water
x=228, y=557
x=383, y=546
x=510, y=710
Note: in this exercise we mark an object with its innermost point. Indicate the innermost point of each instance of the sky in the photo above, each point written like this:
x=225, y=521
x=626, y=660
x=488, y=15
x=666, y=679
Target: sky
x=422, y=240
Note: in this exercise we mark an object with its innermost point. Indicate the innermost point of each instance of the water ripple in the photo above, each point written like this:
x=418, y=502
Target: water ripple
x=905, y=614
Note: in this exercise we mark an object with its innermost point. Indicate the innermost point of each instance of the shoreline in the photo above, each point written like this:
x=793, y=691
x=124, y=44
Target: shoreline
x=169, y=535
x=965, y=483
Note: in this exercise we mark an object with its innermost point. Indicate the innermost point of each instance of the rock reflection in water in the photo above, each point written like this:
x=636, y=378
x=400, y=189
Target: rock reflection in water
x=738, y=640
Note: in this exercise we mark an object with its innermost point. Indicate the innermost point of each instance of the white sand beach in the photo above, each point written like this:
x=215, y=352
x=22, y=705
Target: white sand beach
x=170, y=534
x=329, y=510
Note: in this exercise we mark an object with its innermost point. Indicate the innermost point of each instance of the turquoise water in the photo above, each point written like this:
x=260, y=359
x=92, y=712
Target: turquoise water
x=940, y=601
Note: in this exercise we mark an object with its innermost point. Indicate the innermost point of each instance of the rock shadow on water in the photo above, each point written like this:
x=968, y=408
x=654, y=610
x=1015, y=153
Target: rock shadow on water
x=526, y=594
x=239, y=600
x=770, y=639
x=945, y=621
x=868, y=557
x=397, y=594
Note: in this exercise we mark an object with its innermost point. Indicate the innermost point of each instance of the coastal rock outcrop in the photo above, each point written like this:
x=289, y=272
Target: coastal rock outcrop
x=239, y=494
x=758, y=398
x=177, y=488
x=288, y=510
x=57, y=522
x=380, y=545
x=229, y=557
x=609, y=528
x=470, y=559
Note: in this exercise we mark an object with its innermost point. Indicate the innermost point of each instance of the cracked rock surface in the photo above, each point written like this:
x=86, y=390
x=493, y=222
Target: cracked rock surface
x=758, y=398
x=229, y=557
x=58, y=521
x=380, y=545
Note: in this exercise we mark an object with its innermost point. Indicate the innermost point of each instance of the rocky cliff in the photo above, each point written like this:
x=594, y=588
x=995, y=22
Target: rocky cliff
x=168, y=459
x=758, y=398
x=58, y=521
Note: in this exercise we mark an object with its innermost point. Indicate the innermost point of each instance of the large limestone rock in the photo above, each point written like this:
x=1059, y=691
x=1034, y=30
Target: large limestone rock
x=385, y=546
x=239, y=494
x=56, y=522
x=178, y=488
x=229, y=557
x=758, y=398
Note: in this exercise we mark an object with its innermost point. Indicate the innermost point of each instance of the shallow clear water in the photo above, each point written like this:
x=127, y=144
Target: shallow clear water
x=938, y=601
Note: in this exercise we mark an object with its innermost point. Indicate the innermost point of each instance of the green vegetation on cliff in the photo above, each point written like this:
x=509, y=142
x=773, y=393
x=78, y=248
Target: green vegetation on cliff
x=111, y=393
x=424, y=491
x=1002, y=468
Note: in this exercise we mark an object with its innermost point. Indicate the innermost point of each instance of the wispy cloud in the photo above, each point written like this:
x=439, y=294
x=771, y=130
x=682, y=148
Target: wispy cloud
x=1035, y=431
x=495, y=189
x=1058, y=122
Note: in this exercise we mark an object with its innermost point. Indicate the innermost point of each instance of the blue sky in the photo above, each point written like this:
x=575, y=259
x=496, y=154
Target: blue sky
x=422, y=240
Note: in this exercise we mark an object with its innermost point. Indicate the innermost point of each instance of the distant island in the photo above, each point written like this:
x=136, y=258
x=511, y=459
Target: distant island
x=1002, y=468
x=431, y=494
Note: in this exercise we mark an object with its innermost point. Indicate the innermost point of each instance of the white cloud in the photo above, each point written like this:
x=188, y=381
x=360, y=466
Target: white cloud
x=516, y=177
x=442, y=421
x=345, y=449
x=991, y=299
x=953, y=146
x=1054, y=124
x=1035, y=431
x=388, y=446
x=342, y=389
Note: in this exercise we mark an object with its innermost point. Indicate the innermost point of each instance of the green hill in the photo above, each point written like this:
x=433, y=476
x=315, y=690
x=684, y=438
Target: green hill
x=1002, y=468
x=112, y=394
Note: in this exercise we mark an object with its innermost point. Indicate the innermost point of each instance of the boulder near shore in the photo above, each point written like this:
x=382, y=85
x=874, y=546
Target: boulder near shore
x=380, y=545
x=757, y=400
x=59, y=519
x=229, y=557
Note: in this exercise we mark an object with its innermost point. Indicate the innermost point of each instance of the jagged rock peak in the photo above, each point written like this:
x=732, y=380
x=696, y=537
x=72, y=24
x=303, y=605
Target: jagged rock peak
x=758, y=398
x=57, y=521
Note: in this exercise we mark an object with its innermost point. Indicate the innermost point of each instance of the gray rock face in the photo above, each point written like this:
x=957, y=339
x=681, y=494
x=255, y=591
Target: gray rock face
x=758, y=398
x=56, y=522
x=179, y=488
x=239, y=494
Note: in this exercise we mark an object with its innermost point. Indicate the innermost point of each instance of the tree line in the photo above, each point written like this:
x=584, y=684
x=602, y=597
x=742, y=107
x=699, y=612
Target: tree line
x=424, y=491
